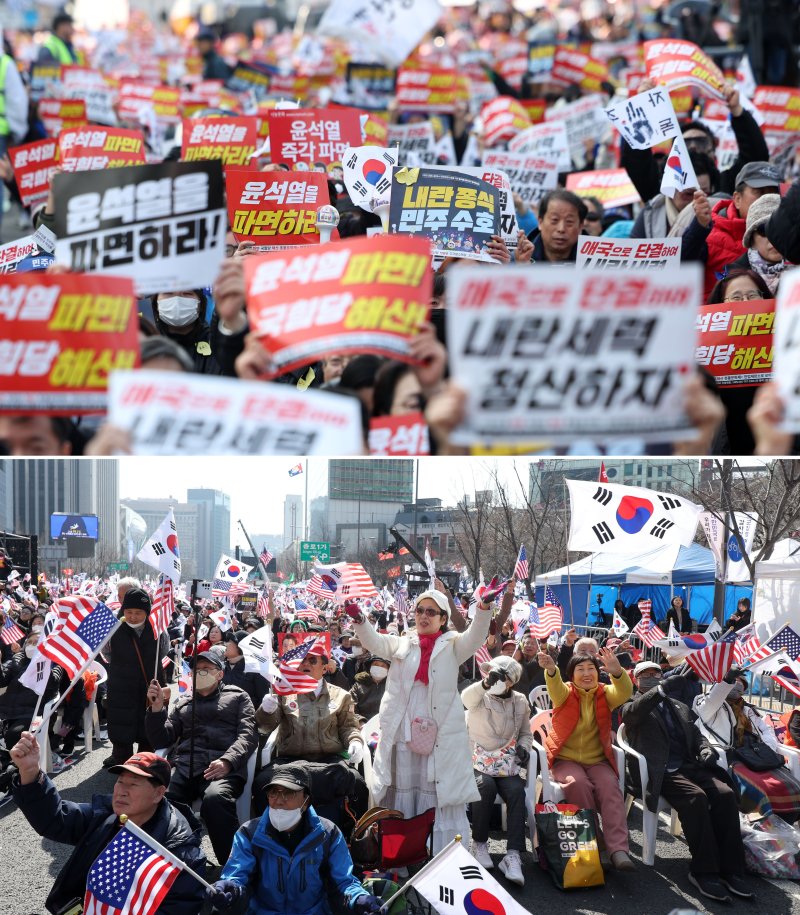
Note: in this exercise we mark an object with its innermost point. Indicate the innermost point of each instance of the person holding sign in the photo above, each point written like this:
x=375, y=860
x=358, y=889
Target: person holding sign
x=561, y=215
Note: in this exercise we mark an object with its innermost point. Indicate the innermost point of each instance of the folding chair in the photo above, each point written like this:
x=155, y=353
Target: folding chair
x=404, y=843
x=539, y=698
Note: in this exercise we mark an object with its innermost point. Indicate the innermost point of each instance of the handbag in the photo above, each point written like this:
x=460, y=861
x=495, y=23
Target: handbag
x=364, y=847
x=568, y=845
x=423, y=735
x=757, y=755
x=497, y=763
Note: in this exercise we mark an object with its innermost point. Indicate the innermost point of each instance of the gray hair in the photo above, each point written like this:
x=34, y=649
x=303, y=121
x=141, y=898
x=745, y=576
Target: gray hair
x=587, y=645
x=128, y=582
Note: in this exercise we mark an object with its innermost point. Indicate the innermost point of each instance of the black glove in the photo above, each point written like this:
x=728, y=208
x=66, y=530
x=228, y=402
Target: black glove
x=732, y=675
x=522, y=755
x=496, y=676
x=224, y=893
x=671, y=684
x=366, y=905
x=708, y=758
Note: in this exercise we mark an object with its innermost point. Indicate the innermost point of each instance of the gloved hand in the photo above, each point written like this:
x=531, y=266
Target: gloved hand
x=708, y=758
x=354, y=612
x=522, y=755
x=732, y=675
x=366, y=905
x=269, y=703
x=355, y=751
x=495, y=676
x=224, y=893
x=671, y=684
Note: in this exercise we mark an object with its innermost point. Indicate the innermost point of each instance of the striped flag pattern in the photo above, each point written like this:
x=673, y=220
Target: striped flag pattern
x=747, y=643
x=785, y=639
x=262, y=607
x=10, y=632
x=265, y=556
x=646, y=629
x=521, y=568
x=163, y=606
x=482, y=655
x=713, y=662
x=542, y=621
x=288, y=679
x=84, y=633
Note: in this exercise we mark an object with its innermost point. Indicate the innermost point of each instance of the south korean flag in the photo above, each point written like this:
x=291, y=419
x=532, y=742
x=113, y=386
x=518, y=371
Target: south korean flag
x=367, y=172
x=161, y=550
x=610, y=518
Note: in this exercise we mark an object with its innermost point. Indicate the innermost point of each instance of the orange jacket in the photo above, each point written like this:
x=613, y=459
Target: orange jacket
x=565, y=719
x=788, y=740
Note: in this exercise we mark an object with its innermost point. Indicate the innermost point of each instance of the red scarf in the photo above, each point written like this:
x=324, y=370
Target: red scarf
x=426, y=643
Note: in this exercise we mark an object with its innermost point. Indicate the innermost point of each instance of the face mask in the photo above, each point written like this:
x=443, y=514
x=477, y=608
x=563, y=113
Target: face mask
x=284, y=820
x=135, y=626
x=355, y=652
x=646, y=683
x=30, y=650
x=206, y=678
x=497, y=689
x=736, y=692
x=378, y=673
x=178, y=310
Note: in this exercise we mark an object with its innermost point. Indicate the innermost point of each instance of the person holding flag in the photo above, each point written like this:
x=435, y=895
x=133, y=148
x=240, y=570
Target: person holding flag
x=139, y=795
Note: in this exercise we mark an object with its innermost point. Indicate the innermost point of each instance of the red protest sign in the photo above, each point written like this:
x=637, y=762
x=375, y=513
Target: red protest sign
x=611, y=186
x=96, y=148
x=430, y=89
x=674, y=63
x=392, y=436
x=311, y=136
x=276, y=208
x=61, y=114
x=576, y=67
x=365, y=295
x=735, y=341
x=33, y=164
x=233, y=140
x=137, y=98
x=62, y=336
x=780, y=106
x=503, y=118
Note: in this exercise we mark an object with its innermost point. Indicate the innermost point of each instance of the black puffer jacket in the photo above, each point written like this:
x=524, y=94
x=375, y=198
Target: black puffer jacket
x=18, y=702
x=224, y=728
x=127, y=683
x=783, y=228
x=367, y=694
x=211, y=351
x=90, y=827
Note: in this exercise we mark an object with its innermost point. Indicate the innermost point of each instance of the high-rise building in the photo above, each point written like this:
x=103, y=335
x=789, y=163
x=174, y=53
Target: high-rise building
x=293, y=524
x=190, y=520
x=215, y=536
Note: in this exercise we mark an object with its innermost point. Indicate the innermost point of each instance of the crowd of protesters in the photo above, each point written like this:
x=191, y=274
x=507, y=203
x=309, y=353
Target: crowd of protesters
x=740, y=222
x=448, y=682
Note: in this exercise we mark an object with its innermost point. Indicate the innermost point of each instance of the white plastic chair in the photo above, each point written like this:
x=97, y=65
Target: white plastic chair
x=91, y=719
x=792, y=757
x=369, y=730
x=649, y=819
x=539, y=698
x=245, y=798
x=269, y=748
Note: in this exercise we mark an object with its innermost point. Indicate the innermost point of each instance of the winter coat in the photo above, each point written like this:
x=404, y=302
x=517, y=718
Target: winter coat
x=450, y=763
x=282, y=883
x=494, y=721
x=717, y=720
x=18, y=702
x=647, y=734
x=224, y=728
x=211, y=351
x=783, y=228
x=253, y=684
x=684, y=623
x=652, y=221
x=126, y=698
x=367, y=695
x=716, y=245
x=532, y=675
x=310, y=725
x=90, y=827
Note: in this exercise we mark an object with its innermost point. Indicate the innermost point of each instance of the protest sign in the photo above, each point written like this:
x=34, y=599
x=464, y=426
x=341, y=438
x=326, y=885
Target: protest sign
x=627, y=253
x=163, y=225
x=548, y=139
x=45, y=79
x=35, y=252
x=786, y=354
x=140, y=102
x=735, y=341
x=390, y=30
x=503, y=118
x=276, y=209
x=416, y=144
x=457, y=212
x=33, y=165
x=557, y=354
x=167, y=413
x=611, y=186
x=309, y=136
x=675, y=63
x=645, y=120
x=431, y=89
x=91, y=86
x=62, y=336
x=355, y=296
x=584, y=121
x=15, y=251
x=231, y=140
x=398, y=436
x=370, y=86
x=61, y=114
x=97, y=148
x=540, y=61
x=248, y=76
x=376, y=130
x=531, y=176
x=780, y=106
x=577, y=68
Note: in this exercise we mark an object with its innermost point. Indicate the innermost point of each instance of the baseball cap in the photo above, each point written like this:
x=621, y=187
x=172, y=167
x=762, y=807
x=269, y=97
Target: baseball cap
x=295, y=778
x=642, y=666
x=758, y=175
x=214, y=656
x=150, y=765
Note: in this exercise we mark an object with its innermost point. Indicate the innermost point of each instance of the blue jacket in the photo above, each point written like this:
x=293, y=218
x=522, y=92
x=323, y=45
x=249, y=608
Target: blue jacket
x=292, y=885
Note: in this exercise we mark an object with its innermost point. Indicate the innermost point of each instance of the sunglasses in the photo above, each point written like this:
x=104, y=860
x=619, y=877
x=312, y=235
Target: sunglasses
x=428, y=611
x=313, y=659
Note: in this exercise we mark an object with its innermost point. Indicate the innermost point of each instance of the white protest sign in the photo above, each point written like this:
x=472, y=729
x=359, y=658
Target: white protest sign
x=645, y=120
x=416, y=143
x=786, y=359
x=627, y=253
x=167, y=413
x=565, y=354
x=89, y=85
x=367, y=172
x=548, y=139
x=390, y=29
x=15, y=251
x=584, y=120
x=531, y=176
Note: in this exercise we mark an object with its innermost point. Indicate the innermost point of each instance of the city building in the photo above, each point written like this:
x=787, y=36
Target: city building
x=428, y=519
x=193, y=534
x=293, y=524
x=216, y=529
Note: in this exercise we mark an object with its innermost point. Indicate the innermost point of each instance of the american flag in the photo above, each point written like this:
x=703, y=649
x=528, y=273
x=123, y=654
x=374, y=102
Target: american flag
x=262, y=607
x=747, y=643
x=163, y=606
x=129, y=878
x=84, y=633
x=549, y=618
x=288, y=679
x=645, y=607
x=713, y=662
x=303, y=612
x=10, y=632
x=342, y=582
x=785, y=639
x=482, y=655
x=265, y=556
x=222, y=588
x=521, y=568
x=647, y=630
x=401, y=600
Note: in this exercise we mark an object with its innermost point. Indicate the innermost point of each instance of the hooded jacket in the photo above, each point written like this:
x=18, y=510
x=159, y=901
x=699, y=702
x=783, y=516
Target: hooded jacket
x=90, y=827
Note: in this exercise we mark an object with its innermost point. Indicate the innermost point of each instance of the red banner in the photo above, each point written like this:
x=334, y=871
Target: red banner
x=577, y=68
x=135, y=98
x=97, y=148
x=503, y=118
x=33, y=164
x=735, y=341
x=276, y=208
x=233, y=140
x=392, y=436
x=365, y=295
x=61, y=114
x=611, y=186
x=431, y=89
x=62, y=336
x=313, y=136
x=674, y=63
x=780, y=107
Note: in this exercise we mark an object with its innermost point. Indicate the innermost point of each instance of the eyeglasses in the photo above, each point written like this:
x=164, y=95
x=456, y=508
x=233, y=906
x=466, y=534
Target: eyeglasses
x=427, y=611
x=283, y=794
x=313, y=659
x=593, y=217
x=230, y=250
x=743, y=296
x=698, y=144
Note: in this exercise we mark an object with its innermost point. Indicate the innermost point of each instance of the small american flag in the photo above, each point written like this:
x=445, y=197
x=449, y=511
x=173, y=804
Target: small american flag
x=10, y=632
x=549, y=618
x=303, y=612
x=647, y=630
x=129, y=878
x=163, y=606
x=262, y=607
x=265, y=556
x=81, y=637
x=713, y=662
x=521, y=568
x=401, y=601
x=747, y=643
x=482, y=655
x=288, y=679
x=785, y=639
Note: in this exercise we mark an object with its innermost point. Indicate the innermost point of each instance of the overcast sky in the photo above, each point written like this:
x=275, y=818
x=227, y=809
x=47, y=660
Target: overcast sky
x=258, y=486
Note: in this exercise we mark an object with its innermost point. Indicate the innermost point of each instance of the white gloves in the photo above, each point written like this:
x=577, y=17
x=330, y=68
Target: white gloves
x=269, y=703
x=356, y=752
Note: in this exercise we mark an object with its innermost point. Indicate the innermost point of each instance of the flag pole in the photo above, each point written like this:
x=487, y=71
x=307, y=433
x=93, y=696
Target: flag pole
x=257, y=555
x=410, y=883
x=161, y=587
x=569, y=575
x=156, y=846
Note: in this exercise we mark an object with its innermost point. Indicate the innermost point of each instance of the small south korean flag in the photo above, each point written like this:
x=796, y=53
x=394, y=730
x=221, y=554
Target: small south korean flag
x=679, y=174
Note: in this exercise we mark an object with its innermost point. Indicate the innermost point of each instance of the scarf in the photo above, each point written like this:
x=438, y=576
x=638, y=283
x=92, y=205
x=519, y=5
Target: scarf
x=426, y=643
x=770, y=273
x=743, y=724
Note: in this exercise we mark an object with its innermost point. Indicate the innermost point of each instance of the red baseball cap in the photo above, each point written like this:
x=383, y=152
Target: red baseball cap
x=150, y=765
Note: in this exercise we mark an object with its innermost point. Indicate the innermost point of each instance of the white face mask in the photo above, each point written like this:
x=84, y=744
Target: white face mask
x=284, y=820
x=178, y=310
x=497, y=689
x=135, y=626
x=378, y=673
x=30, y=650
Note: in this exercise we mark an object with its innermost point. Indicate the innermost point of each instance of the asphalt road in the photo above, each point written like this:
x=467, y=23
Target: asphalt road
x=30, y=864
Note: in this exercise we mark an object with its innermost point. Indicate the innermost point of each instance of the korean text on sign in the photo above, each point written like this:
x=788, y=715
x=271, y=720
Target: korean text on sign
x=33, y=166
x=735, y=341
x=395, y=436
x=232, y=140
x=313, y=136
x=96, y=148
x=653, y=253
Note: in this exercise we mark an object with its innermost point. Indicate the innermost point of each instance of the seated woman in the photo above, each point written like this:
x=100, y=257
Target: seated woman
x=741, y=617
x=728, y=723
x=499, y=731
x=579, y=744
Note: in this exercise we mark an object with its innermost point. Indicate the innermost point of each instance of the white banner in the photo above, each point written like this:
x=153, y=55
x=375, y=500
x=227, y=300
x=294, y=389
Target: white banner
x=714, y=529
x=645, y=120
x=736, y=569
x=557, y=355
x=584, y=120
x=628, y=253
x=786, y=361
x=168, y=413
x=415, y=143
x=549, y=140
x=531, y=176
